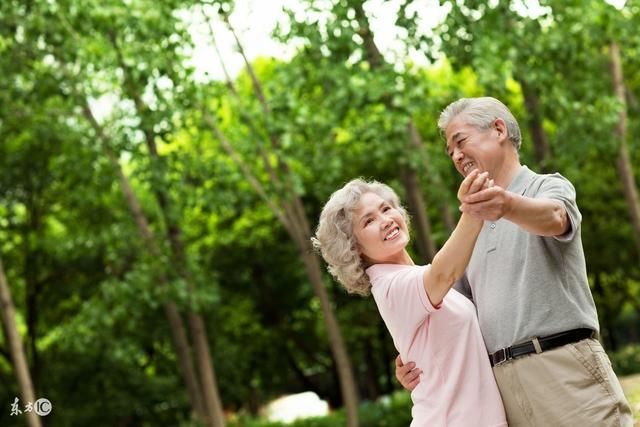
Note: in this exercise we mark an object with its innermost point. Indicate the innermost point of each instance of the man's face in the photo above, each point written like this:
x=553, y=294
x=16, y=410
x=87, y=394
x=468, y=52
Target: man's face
x=472, y=148
x=380, y=229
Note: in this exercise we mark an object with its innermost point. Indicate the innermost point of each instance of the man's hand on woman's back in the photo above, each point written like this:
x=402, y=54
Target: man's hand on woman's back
x=408, y=375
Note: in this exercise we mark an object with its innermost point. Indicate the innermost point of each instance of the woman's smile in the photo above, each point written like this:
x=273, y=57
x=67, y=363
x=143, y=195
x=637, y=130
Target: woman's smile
x=395, y=232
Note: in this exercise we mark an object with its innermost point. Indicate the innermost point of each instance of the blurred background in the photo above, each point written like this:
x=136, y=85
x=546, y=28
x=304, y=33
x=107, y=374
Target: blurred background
x=163, y=164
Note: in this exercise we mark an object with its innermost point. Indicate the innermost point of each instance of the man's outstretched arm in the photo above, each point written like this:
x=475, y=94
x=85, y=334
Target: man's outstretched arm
x=543, y=217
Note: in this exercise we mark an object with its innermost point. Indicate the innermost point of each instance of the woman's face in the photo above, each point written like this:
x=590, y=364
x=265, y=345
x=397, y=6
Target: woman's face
x=380, y=230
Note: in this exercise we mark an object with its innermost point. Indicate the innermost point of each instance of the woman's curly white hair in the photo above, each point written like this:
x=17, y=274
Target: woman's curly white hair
x=335, y=238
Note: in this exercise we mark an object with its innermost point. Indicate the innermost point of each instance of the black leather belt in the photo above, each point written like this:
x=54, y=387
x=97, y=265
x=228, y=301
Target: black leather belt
x=543, y=343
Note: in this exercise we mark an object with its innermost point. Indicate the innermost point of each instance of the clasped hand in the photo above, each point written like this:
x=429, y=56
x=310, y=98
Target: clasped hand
x=482, y=199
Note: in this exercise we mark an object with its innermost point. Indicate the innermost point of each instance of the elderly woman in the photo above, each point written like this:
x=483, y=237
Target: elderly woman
x=362, y=235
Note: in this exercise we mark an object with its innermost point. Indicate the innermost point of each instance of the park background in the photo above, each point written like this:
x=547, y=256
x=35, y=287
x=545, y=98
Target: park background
x=163, y=164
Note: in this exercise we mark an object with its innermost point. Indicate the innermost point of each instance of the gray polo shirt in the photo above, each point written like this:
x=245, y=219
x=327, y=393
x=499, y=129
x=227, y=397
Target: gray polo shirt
x=524, y=285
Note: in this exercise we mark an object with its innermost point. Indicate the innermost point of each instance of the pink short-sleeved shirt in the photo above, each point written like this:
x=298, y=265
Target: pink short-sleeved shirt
x=457, y=387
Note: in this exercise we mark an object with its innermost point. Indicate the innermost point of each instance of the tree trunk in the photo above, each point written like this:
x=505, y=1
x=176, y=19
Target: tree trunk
x=212, y=403
x=625, y=171
x=20, y=367
x=183, y=351
x=435, y=180
x=447, y=216
x=372, y=376
x=176, y=325
x=418, y=211
x=301, y=234
x=33, y=290
x=411, y=182
x=624, y=166
x=538, y=135
x=607, y=336
x=31, y=264
x=338, y=348
x=416, y=200
x=205, y=366
x=292, y=216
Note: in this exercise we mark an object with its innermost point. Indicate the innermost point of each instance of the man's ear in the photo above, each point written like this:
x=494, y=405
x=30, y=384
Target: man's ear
x=501, y=127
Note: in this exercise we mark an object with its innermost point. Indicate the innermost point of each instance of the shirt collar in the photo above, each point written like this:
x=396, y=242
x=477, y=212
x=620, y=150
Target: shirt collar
x=378, y=270
x=520, y=182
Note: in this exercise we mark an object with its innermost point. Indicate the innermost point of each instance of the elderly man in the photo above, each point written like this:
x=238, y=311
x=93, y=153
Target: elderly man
x=528, y=280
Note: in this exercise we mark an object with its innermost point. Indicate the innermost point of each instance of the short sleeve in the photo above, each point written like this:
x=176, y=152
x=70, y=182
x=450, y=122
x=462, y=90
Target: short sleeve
x=402, y=301
x=557, y=187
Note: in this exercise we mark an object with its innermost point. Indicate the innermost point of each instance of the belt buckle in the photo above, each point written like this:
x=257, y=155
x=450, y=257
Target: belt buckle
x=506, y=353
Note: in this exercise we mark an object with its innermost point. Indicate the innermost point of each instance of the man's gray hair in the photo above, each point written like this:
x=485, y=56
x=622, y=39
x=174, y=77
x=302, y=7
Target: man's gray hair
x=482, y=113
x=335, y=238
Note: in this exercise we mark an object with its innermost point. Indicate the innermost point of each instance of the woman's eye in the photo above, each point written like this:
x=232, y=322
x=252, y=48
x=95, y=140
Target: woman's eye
x=367, y=222
x=386, y=208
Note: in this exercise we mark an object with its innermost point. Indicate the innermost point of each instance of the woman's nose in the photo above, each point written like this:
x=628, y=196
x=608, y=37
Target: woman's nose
x=457, y=154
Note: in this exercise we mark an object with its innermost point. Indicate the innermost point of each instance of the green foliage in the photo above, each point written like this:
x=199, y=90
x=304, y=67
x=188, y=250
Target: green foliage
x=88, y=295
x=626, y=361
x=388, y=411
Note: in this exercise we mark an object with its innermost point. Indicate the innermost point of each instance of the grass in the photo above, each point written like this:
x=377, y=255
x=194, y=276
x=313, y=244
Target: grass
x=631, y=387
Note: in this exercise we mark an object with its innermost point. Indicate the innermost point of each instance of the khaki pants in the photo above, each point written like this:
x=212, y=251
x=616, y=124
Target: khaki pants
x=569, y=386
